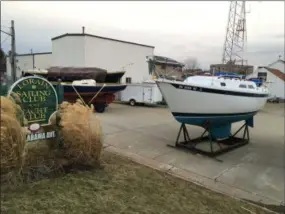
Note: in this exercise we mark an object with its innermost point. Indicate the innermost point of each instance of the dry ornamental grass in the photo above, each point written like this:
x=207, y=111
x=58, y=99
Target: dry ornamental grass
x=13, y=140
x=80, y=130
x=81, y=133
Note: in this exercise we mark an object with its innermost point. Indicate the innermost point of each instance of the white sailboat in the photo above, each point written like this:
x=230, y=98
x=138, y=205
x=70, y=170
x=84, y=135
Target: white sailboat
x=219, y=100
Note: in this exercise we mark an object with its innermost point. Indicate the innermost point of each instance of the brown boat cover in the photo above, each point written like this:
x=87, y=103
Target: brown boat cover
x=77, y=73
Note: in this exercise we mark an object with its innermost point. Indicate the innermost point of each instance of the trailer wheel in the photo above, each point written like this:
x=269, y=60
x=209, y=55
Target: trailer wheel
x=100, y=108
x=132, y=102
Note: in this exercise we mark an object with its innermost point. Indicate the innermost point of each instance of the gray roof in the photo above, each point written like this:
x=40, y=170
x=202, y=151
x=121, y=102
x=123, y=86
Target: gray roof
x=100, y=37
x=166, y=60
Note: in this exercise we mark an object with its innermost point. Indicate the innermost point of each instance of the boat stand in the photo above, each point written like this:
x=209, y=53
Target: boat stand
x=215, y=147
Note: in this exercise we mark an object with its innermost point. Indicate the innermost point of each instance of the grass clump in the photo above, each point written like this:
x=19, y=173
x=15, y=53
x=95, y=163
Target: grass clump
x=13, y=139
x=82, y=138
x=82, y=142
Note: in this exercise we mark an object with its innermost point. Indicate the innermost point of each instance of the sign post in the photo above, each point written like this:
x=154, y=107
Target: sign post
x=39, y=102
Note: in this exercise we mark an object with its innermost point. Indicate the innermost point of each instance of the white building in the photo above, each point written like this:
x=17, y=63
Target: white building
x=274, y=75
x=30, y=61
x=86, y=50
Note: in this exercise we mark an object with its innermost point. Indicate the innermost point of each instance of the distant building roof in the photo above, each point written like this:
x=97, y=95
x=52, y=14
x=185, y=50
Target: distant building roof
x=231, y=65
x=100, y=37
x=30, y=54
x=275, y=72
x=279, y=60
x=166, y=60
x=36, y=53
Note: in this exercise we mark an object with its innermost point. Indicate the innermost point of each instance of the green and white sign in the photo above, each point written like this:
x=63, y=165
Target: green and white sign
x=38, y=97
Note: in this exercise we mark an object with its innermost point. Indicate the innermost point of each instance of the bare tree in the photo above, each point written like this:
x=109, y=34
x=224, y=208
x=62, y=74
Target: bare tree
x=2, y=61
x=191, y=63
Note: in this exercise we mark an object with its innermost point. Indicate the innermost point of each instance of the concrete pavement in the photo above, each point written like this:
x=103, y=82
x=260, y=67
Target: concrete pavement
x=255, y=171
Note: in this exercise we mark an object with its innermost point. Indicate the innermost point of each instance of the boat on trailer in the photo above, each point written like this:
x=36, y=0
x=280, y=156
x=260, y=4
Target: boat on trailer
x=84, y=83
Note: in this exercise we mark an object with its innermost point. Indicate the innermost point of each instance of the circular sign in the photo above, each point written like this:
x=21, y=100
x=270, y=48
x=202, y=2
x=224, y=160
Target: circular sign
x=38, y=99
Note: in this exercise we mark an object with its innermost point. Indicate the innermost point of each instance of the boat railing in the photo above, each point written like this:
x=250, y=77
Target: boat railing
x=229, y=77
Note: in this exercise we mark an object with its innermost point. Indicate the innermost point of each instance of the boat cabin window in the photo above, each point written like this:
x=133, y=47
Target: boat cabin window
x=223, y=84
x=250, y=86
x=242, y=86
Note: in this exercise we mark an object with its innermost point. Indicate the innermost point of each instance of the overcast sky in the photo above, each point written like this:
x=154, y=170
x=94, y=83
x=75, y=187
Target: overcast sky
x=176, y=29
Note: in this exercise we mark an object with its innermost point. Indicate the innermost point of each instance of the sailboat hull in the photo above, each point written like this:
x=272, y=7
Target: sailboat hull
x=191, y=104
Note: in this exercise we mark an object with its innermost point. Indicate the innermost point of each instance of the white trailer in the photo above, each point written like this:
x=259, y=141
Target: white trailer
x=146, y=92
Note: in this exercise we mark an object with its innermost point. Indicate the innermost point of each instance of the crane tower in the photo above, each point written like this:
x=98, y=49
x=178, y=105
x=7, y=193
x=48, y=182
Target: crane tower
x=236, y=38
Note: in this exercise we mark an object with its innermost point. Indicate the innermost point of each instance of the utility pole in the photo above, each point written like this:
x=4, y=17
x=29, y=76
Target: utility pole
x=33, y=57
x=13, y=52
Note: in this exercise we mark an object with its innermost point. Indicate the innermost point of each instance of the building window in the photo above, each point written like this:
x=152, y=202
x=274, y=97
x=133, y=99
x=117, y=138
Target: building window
x=242, y=86
x=262, y=75
x=128, y=80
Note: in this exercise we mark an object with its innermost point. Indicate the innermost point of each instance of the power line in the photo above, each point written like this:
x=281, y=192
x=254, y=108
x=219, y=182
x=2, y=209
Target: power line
x=5, y=26
x=4, y=40
x=9, y=34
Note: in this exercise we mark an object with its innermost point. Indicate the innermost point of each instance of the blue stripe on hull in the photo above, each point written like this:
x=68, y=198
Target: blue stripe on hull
x=200, y=120
x=93, y=89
